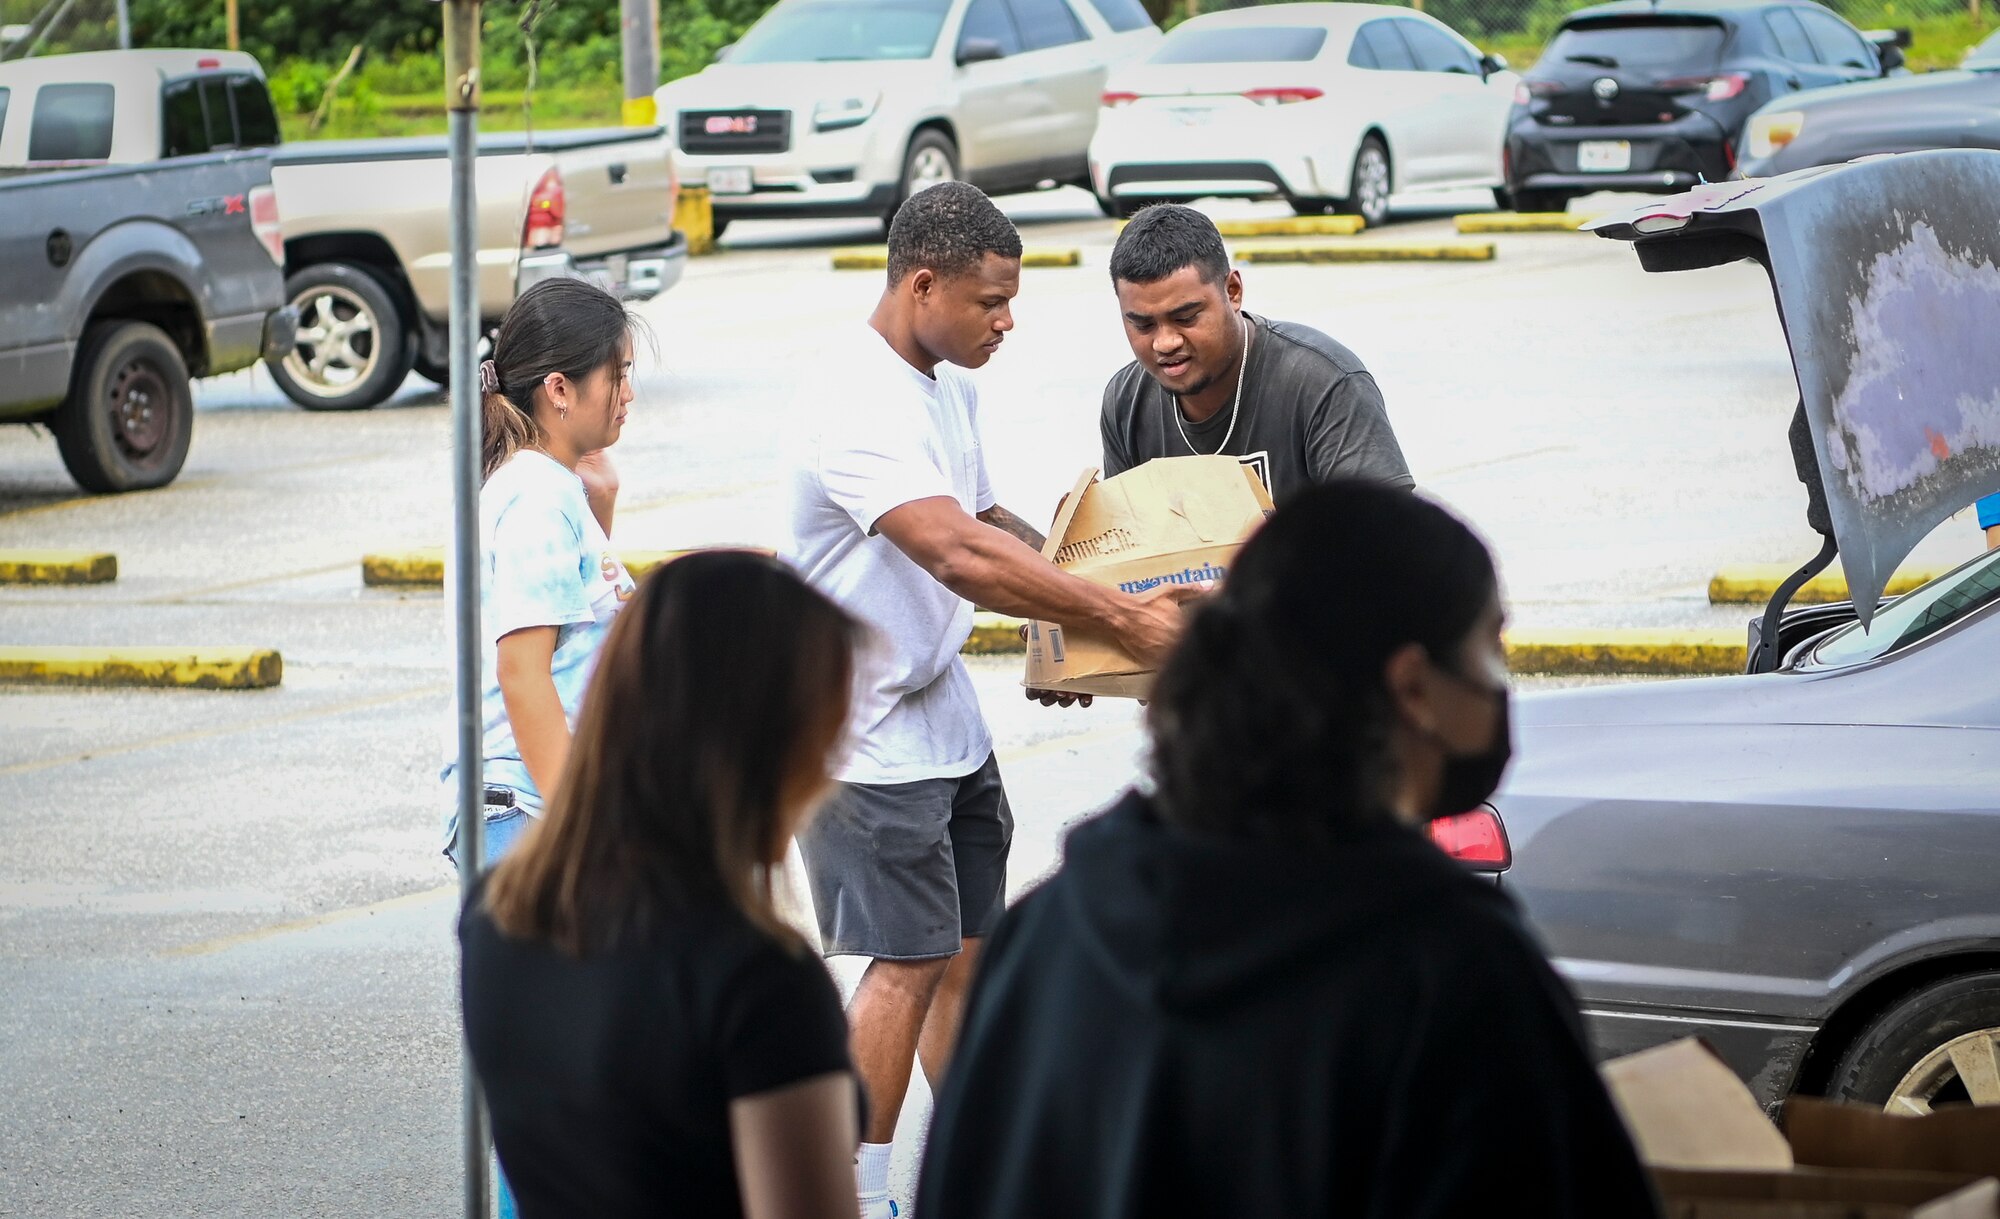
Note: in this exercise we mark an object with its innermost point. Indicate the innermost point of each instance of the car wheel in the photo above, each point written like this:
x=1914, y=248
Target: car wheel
x=1503, y=198
x=440, y=374
x=352, y=351
x=1939, y=1046
x=1368, y=187
x=932, y=158
x=1541, y=201
x=129, y=416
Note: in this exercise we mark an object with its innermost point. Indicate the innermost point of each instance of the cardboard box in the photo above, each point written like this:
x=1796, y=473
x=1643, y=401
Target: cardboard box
x=1175, y=520
x=1714, y=1154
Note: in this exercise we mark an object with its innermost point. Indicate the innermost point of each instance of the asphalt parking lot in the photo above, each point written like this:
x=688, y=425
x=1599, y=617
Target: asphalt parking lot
x=226, y=972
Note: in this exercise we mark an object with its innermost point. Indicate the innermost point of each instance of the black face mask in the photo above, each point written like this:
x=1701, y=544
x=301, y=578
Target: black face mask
x=1470, y=779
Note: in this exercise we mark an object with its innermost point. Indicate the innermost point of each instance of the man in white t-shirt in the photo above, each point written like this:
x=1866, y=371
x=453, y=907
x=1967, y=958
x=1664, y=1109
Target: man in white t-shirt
x=891, y=515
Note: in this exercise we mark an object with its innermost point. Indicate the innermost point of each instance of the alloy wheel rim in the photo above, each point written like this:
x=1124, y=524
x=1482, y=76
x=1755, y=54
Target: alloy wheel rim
x=141, y=408
x=1966, y=1068
x=1374, y=174
x=928, y=168
x=337, y=344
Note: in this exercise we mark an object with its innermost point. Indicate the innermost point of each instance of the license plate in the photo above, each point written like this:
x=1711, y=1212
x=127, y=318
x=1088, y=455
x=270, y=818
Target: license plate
x=732, y=180
x=1193, y=116
x=1604, y=156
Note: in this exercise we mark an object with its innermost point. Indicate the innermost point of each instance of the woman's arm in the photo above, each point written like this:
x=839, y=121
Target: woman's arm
x=795, y=1149
x=525, y=667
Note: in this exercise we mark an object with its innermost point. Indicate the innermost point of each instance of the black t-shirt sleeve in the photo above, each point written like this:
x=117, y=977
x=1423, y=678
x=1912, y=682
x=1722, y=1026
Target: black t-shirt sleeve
x=1499, y=1098
x=1115, y=422
x=780, y=1023
x=1348, y=435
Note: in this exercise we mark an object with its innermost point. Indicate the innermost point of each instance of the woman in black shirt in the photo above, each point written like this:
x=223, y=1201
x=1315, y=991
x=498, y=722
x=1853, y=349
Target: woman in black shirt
x=650, y=1036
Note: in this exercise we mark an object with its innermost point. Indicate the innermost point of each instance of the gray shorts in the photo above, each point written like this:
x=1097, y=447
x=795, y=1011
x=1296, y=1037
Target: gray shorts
x=904, y=871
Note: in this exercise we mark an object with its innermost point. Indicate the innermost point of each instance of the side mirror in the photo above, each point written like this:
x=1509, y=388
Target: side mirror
x=1492, y=62
x=1892, y=58
x=979, y=50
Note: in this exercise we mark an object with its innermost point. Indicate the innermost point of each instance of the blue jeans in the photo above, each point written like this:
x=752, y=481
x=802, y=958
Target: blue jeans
x=504, y=827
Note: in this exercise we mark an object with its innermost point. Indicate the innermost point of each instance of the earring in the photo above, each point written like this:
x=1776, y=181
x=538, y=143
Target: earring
x=563, y=411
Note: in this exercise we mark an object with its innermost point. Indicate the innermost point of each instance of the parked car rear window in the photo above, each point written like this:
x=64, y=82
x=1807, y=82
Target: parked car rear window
x=808, y=31
x=1123, y=16
x=71, y=123
x=215, y=104
x=183, y=132
x=1915, y=616
x=1047, y=23
x=256, y=122
x=1255, y=44
x=1437, y=51
x=1629, y=44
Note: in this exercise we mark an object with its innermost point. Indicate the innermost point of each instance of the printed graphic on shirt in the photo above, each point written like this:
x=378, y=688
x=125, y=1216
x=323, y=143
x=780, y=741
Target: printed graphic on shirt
x=1260, y=462
x=618, y=583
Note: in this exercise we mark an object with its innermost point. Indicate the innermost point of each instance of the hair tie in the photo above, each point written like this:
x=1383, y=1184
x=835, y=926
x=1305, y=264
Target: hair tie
x=489, y=378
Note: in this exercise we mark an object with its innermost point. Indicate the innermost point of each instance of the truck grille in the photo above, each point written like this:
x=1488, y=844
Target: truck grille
x=730, y=131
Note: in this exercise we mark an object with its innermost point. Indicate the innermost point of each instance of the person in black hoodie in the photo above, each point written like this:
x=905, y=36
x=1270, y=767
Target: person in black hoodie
x=1262, y=990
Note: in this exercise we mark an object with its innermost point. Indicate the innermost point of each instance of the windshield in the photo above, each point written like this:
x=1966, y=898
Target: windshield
x=1255, y=44
x=1986, y=56
x=1912, y=617
x=823, y=31
x=1639, y=44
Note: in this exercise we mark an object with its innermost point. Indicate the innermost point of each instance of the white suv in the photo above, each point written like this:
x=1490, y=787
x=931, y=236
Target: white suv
x=847, y=107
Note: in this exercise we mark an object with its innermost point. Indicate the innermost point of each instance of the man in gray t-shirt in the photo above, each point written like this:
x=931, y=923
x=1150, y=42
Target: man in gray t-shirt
x=1299, y=407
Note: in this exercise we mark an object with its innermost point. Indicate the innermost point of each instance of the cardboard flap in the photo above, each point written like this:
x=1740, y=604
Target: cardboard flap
x=1195, y=510
x=1855, y=1136
x=1825, y=1194
x=1059, y=528
x=1686, y=1109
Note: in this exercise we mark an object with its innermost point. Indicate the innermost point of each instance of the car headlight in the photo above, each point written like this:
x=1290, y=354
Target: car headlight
x=844, y=112
x=1770, y=132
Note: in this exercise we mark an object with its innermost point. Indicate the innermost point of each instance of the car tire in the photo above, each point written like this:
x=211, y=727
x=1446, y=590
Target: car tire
x=931, y=158
x=129, y=416
x=1938, y=1045
x=717, y=226
x=1370, y=183
x=438, y=374
x=1312, y=205
x=1503, y=198
x=1126, y=207
x=1541, y=200
x=1107, y=205
x=353, y=349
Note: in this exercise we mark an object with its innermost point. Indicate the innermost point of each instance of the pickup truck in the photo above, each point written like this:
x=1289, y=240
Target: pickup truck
x=366, y=231
x=124, y=282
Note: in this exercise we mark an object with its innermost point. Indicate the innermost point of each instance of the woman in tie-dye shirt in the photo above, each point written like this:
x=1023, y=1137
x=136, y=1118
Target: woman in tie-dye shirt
x=555, y=395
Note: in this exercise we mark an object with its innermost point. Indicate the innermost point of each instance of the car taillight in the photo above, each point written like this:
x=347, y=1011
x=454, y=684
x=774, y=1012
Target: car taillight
x=1280, y=97
x=1115, y=98
x=545, y=213
x=1522, y=94
x=207, y=63
x=1476, y=839
x=264, y=222
x=1715, y=88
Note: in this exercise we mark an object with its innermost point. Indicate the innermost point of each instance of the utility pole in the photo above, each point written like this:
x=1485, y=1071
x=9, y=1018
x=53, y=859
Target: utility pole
x=125, y=25
x=461, y=100
x=641, y=22
x=230, y=15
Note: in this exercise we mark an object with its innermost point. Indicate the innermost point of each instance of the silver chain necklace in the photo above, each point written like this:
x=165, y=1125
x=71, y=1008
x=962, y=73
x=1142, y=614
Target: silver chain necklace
x=1235, y=404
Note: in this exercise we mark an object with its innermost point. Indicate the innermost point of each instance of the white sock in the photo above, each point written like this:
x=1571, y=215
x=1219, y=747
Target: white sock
x=871, y=1168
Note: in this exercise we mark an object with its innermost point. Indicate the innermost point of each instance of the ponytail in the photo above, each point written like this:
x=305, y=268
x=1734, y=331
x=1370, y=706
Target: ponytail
x=570, y=326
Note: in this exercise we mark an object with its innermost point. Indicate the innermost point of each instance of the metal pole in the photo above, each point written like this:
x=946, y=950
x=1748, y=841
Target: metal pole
x=230, y=16
x=125, y=25
x=461, y=71
x=641, y=21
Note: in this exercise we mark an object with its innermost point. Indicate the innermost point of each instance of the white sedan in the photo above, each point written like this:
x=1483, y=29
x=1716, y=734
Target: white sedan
x=1329, y=106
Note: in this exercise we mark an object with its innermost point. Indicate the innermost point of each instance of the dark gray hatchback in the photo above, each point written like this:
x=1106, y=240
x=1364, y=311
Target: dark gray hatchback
x=1802, y=864
x=1634, y=96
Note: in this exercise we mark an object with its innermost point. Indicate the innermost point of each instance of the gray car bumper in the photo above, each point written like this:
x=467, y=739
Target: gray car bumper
x=633, y=275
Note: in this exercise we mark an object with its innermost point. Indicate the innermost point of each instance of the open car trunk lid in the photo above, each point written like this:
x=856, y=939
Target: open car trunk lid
x=1890, y=299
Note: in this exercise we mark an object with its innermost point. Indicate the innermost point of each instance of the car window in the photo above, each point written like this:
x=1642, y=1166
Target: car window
x=1123, y=16
x=1985, y=56
x=1435, y=50
x=256, y=122
x=3, y=111
x=71, y=123
x=1644, y=42
x=990, y=19
x=1914, y=616
x=1839, y=46
x=1790, y=36
x=1241, y=44
x=1386, y=47
x=1360, y=55
x=183, y=131
x=215, y=105
x=1046, y=23
x=825, y=31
